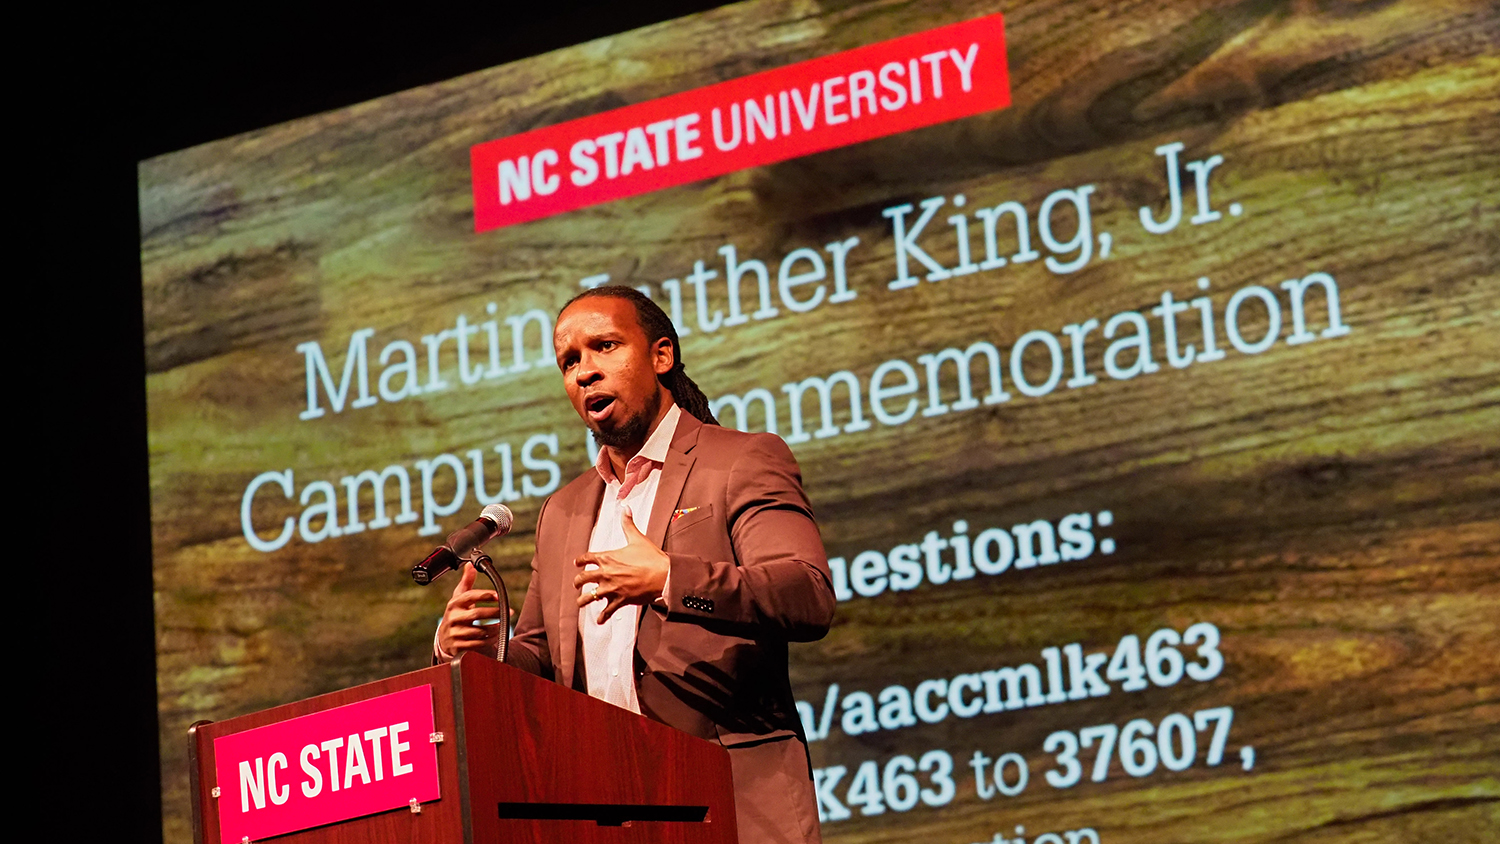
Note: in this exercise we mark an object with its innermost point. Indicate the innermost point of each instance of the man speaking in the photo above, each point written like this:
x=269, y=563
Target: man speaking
x=670, y=578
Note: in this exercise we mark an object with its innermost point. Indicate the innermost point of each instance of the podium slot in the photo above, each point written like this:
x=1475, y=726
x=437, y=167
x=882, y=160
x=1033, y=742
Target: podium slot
x=603, y=814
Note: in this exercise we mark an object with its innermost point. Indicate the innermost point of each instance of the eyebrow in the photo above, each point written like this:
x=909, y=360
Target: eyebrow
x=612, y=334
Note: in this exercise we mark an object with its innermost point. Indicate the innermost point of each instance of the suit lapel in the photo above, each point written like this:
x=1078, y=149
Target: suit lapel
x=579, y=528
x=674, y=475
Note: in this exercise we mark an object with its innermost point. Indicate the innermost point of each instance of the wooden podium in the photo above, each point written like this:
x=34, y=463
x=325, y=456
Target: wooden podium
x=519, y=759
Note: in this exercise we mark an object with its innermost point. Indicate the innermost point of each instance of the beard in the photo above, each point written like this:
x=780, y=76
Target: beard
x=630, y=434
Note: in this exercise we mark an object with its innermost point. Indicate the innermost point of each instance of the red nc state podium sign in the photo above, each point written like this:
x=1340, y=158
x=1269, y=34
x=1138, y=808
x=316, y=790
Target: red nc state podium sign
x=328, y=766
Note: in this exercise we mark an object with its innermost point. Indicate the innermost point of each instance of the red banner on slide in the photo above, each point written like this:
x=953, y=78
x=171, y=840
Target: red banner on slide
x=870, y=92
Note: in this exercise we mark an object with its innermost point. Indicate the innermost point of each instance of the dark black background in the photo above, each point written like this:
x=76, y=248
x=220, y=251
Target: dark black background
x=111, y=91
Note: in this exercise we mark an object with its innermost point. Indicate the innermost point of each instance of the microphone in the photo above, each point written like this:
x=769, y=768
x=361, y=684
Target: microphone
x=495, y=520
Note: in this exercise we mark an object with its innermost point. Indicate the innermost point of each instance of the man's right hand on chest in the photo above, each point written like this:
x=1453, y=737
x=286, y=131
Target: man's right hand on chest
x=458, y=632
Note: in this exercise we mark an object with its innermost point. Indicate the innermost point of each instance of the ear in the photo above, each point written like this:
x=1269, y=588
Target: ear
x=662, y=359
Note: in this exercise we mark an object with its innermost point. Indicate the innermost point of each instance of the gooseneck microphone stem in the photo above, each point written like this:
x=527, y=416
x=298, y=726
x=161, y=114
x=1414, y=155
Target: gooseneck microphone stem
x=486, y=567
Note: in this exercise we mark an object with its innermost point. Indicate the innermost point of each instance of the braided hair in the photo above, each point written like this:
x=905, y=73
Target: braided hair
x=655, y=322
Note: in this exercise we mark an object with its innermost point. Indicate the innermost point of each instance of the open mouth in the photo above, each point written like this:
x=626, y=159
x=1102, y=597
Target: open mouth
x=598, y=406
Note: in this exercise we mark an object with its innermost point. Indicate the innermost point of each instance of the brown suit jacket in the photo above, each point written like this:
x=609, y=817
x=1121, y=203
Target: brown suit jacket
x=748, y=575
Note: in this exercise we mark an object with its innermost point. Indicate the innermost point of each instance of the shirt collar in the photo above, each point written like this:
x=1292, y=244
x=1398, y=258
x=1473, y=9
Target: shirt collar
x=654, y=451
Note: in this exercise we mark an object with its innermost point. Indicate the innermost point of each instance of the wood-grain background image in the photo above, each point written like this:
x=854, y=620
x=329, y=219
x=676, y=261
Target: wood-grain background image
x=1330, y=506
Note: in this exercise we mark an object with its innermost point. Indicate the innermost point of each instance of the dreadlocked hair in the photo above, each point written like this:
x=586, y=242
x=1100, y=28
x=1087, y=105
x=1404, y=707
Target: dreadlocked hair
x=655, y=322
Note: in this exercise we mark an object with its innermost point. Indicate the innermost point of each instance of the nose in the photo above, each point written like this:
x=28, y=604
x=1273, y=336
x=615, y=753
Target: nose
x=587, y=371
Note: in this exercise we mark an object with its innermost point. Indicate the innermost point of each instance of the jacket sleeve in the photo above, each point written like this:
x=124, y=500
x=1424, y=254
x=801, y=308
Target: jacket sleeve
x=528, y=649
x=777, y=582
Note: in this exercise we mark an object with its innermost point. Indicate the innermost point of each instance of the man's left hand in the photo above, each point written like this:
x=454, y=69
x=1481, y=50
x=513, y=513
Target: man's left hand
x=634, y=574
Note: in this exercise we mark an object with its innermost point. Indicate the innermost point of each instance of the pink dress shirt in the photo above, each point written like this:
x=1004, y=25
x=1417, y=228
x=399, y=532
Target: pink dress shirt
x=609, y=648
